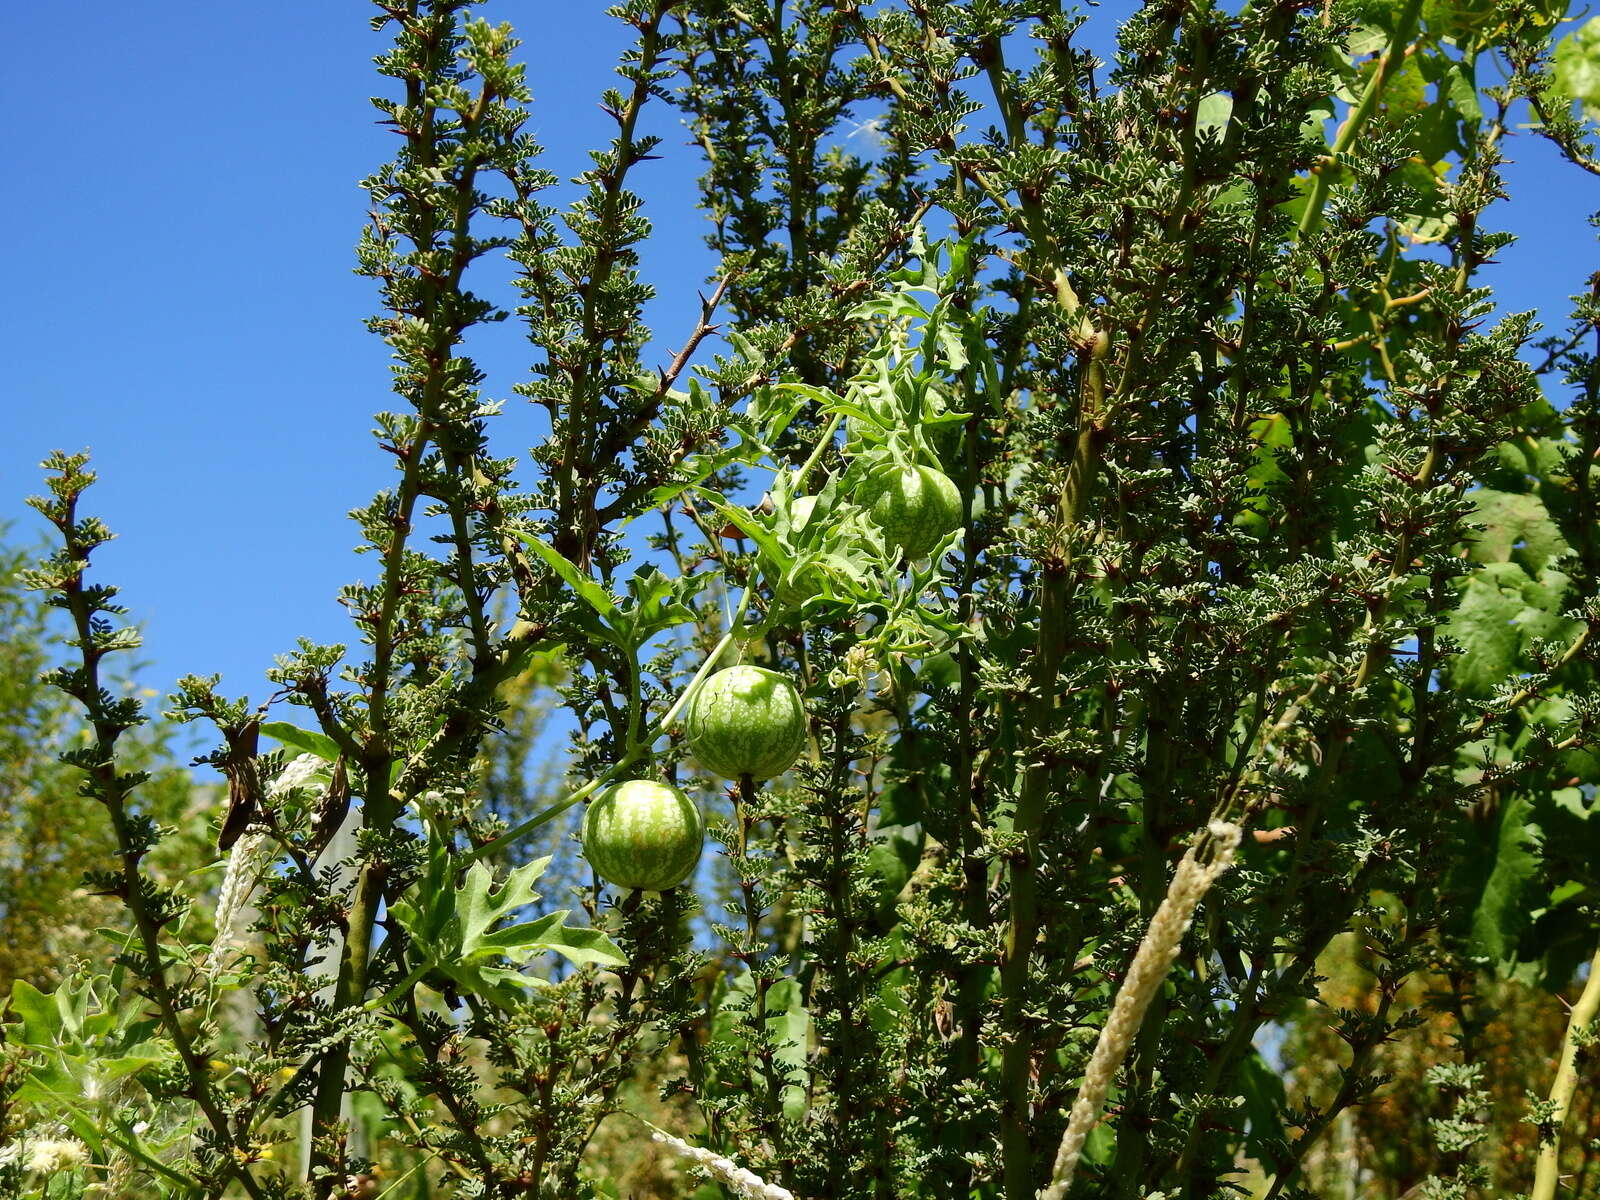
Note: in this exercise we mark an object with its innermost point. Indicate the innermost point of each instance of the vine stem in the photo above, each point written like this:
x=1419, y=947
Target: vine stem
x=1547, y=1172
x=1393, y=55
x=632, y=755
x=817, y=451
x=399, y=989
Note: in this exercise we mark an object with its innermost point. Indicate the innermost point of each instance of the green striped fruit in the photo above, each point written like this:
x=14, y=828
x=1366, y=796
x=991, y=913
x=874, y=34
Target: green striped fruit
x=914, y=508
x=643, y=834
x=746, y=721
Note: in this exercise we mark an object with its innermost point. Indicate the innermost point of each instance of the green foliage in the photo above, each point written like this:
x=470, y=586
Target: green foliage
x=1577, y=67
x=1224, y=492
x=50, y=835
x=458, y=931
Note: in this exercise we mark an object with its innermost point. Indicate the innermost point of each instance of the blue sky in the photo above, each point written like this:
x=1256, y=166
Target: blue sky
x=179, y=296
x=182, y=207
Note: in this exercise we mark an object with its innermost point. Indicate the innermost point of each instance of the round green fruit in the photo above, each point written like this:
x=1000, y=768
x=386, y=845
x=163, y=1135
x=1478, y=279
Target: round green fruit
x=643, y=834
x=914, y=508
x=746, y=721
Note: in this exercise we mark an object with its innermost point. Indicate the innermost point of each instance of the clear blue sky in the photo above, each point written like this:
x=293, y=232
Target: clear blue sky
x=181, y=205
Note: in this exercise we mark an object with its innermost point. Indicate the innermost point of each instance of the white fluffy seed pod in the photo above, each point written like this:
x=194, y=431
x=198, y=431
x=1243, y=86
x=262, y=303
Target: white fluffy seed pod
x=745, y=1183
x=1190, y=882
x=246, y=861
x=50, y=1155
x=253, y=853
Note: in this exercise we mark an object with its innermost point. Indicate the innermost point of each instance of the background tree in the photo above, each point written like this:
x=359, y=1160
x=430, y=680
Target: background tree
x=49, y=835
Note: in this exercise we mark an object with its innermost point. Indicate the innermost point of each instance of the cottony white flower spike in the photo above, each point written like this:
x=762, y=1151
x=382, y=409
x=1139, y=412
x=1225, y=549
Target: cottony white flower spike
x=1190, y=882
x=299, y=773
x=252, y=853
x=49, y=1155
x=744, y=1182
x=248, y=858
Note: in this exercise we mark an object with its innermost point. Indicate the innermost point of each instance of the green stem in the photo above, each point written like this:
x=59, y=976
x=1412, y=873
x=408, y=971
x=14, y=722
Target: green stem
x=1394, y=55
x=112, y=790
x=1548, y=1170
x=350, y=988
x=817, y=452
x=399, y=989
x=632, y=755
x=1016, y=1063
x=768, y=1100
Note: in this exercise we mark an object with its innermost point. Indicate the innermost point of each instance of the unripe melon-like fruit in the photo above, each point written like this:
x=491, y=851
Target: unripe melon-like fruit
x=643, y=834
x=746, y=721
x=914, y=508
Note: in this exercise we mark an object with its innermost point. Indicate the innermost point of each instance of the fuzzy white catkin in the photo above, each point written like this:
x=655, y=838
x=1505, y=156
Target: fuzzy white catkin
x=49, y=1155
x=301, y=771
x=252, y=853
x=249, y=856
x=744, y=1183
x=1190, y=882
